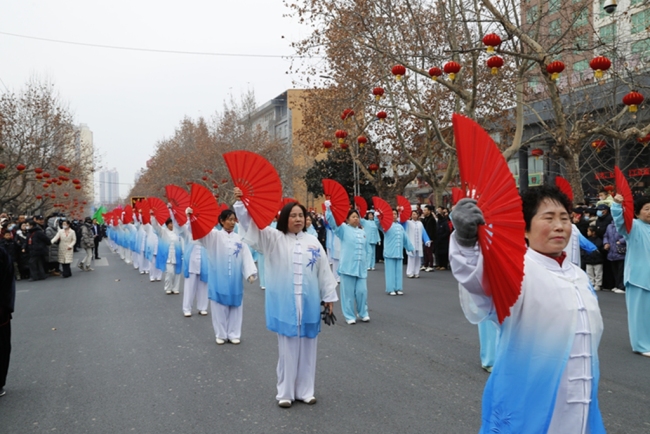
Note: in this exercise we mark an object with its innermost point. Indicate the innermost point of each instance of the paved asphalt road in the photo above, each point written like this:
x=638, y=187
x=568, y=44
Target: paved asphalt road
x=108, y=352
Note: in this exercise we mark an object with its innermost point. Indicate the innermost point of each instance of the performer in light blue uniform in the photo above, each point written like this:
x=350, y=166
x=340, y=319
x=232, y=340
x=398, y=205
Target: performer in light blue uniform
x=395, y=240
x=636, y=274
x=170, y=255
x=310, y=226
x=353, y=266
x=372, y=234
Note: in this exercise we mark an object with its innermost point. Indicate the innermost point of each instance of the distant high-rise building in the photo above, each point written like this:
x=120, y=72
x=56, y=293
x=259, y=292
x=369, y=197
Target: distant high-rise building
x=109, y=186
x=83, y=153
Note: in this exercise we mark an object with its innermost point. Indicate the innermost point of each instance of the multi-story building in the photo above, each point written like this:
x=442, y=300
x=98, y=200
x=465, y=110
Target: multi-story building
x=83, y=153
x=109, y=187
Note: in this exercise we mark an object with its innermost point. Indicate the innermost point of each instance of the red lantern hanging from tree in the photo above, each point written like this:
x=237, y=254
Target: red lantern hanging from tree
x=382, y=115
x=452, y=68
x=434, y=73
x=362, y=140
x=39, y=177
x=344, y=146
x=39, y=197
x=205, y=178
x=327, y=145
x=21, y=168
x=76, y=181
x=2, y=166
x=46, y=185
x=494, y=63
x=644, y=140
x=598, y=145
x=77, y=187
x=491, y=40
x=373, y=168
x=38, y=170
x=46, y=175
x=61, y=168
x=66, y=194
x=633, y=100
x=341, y=135
x=555, y=68
x=398, y=71
x=378, y=92
x=347, y=114
x=537, y=153
x=600, y=64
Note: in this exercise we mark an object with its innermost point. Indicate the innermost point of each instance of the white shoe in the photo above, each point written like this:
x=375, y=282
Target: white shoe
x=429, y=269
x=310, y=401
x=351, y=321
x=618, y=291
x=422, y=268
x=646, y=354
x=220, y=341
x=400, y=293
x=176, y=292
x=262, y=288
x=157, y=280
x=392, y=293
x=284, y=403
x=168, y=292
x=235, y=341
x=369, y=269
x=417, y=276
x=365, y=319
x=410, y=276
x=203, y=312
x=373, y=268
x=187, y=314
x=141, y=272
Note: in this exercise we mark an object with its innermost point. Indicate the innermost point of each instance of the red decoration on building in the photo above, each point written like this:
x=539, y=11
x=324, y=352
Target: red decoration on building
x=452, y=68
x=398, y=71
x=382, y=115
x=491, y=40
x=494, y=63
x=600, y=64
x=378, y=92
x=598, y=145
x=435, y=72
x=555, y=68
x=327, y=145
x=632, y=100
x=341, y=135
x=362, y=140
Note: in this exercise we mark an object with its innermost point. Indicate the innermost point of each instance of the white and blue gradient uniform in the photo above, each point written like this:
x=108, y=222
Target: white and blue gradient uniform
x=143, y=262
x=151, y=252
x=636, y=276
x=546, y=372
x=261, y=271
x=395, y=240
x=417, y=236
x=372, y=234
x=353, y=269
x=169, y=257
x=301, y=280
x=195, y=270
x=230, y=263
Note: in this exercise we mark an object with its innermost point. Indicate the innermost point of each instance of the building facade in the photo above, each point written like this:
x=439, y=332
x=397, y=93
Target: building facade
x=109, y=187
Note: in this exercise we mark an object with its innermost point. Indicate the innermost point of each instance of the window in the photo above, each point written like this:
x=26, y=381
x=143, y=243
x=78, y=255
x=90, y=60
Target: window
x=641, y=21
x=581, y=65
x=608, y=33
x=581, y=43
x=532, y=14
x=635, y=2
x=581, y=17
x=532, y=83
x=554, y=6
x=640, y=47
x=601, y=8
x=555, y=28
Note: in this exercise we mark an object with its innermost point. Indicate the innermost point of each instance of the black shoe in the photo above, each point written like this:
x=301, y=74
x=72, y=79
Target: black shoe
x=97, y=258
x=3, y=392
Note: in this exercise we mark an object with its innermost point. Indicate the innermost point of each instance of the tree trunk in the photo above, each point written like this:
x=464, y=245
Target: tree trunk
x=574, y=177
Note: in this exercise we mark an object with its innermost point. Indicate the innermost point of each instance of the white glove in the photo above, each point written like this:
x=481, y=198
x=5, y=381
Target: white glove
x=188, y=210
x=169, y=205
x=428, y=244
x=377, y=213
x=410, y=254
x=328, y=204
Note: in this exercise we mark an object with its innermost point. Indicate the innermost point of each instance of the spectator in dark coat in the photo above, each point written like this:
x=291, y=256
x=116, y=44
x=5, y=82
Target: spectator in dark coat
x=7, y=299
x=53, y=258
x=38, y=246
x=430, y=226
x=443, y=231
x=22, y=253
x=616, y=247
x=603, y=220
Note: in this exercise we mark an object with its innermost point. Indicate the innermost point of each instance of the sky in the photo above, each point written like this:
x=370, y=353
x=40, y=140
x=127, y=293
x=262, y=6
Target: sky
x=132, y=99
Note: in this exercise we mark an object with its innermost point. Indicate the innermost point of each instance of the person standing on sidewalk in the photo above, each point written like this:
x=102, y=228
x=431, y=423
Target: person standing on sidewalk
x=430, y=226
x=7, y=299
x=67, y=239
x=98, y=235
x=87, y=243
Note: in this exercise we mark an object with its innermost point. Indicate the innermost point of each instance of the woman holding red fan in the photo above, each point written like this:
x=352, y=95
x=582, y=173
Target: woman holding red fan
x=636, y=274
x=545, y=376
x=395, y=241
x=300, y=281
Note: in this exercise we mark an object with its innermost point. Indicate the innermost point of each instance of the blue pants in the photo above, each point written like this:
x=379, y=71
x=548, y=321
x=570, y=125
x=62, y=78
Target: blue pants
x=638, y=321
x=488, y=335
x=354, y=289
x=393, y=270
x=370, y=255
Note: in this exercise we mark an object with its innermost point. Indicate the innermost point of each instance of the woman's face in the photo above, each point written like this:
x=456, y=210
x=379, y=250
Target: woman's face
x=414, y=216
x=296, y=220
x=353, y=220
x=229, y=224
x=644, y=214
x=550, y=229
x=308, y=221
x=394, y=215
x=170, y=226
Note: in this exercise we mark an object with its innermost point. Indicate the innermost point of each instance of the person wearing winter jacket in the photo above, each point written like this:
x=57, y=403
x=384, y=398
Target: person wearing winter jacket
x=67, y=239
x=594, y=261
x=87, y=243
x=616, y=247
x=38, y=247
x=53, y=258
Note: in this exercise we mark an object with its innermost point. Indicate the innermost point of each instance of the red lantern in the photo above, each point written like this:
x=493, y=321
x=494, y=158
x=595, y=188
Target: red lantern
x=555, y=68
x=39, y=177
x=382, y=115
x=435, y=72
x=76, y=181
x=46, y=175
x=21, y=168
x=378, y=92
x=600, y=64
x=451, y=68
x=84, y=202
x=78, y=187
x=66, y=194
x=644, y=140
x=599, y=144
x=608, y=188
x=215, y=185
x=362, y=140
x=39, y=197
x=46, y=185
x=53, y=196
x=373, y=168
x=38, y=170
x=398, y=71
x=2, y=166
x=327, y=145
x=347, y=113
x=537, y=153
x=205, y=178
x=341, y=135
x=344, y=146
x=61, y=168
x=491, y=40
x=224, y=181
x=632, y=100
x=495, y=62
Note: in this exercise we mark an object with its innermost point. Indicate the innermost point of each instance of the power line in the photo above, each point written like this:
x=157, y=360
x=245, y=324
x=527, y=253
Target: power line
x=153, y=50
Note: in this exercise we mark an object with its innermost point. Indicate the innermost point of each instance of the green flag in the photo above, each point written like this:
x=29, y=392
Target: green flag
x=98, y=214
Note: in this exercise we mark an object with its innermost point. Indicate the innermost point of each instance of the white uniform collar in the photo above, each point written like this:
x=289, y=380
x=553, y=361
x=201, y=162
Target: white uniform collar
x=548, y=262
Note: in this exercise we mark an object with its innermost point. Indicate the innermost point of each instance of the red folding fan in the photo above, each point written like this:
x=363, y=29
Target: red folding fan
x=259, y=182
x=223, y=206
x=623, y=188
x=404, y=208
x=160, y=210
x=143, y=209
x=128, y=215
x=385, y=212
x=180, y=200
x=485, y=177
x=564, y=187
x=362, y=205
x=340, y=201
x=205, y=211
x=456, y=195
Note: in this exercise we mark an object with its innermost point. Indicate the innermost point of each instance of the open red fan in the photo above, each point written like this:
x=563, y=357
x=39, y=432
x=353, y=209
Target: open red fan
x=404, y=208
x=180, y=200
x=456, y=195
x=259, y=182
x=143, y=210
x=385, y=212
x=623, y=188
x=160, y=210
x=128, y=215
x=564, y=187
x=485, y=177
x=340, y=201
x=223, y=206
x=362, y=205
x=205, y=211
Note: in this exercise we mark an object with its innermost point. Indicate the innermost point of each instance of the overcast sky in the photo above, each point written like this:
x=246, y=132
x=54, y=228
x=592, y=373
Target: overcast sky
x=132, y=99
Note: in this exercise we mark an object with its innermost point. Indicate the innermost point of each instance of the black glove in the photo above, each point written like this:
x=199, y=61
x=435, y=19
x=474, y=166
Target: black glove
x=328, y=318
x=466, y=218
